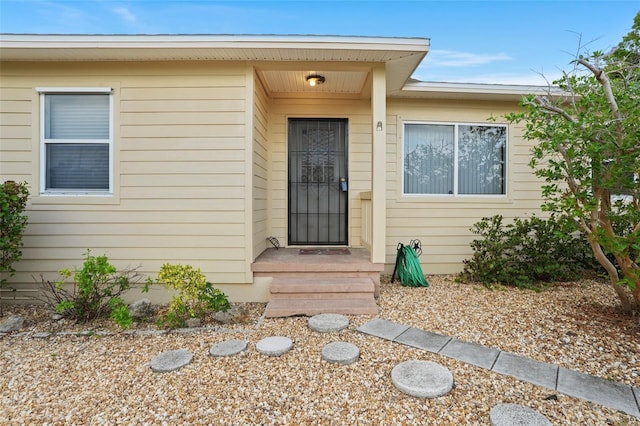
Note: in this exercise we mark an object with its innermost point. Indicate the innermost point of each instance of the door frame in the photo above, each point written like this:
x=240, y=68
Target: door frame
x=347, y=212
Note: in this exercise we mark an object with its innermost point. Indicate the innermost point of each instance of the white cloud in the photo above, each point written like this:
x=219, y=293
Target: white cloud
x=125, y=14
x=450, y=58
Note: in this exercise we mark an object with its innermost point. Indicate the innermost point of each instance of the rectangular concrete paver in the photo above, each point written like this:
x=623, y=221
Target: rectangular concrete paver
x=471, y=353
x=527, y=369
x=421, y=339
x=383, y=328
x=605, y=392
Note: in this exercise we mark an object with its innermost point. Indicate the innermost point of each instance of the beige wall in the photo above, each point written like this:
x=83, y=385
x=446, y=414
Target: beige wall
x=180, y=169
x=201, y=172
x=358, y=114
x=260, y=166
x=442, y=223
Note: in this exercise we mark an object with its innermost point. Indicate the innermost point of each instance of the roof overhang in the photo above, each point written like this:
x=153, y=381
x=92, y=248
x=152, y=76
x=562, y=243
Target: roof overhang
x=471, y=91
x=401, y=56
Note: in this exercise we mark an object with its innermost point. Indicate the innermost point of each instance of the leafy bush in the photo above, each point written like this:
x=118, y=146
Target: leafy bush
x=526, y=252
x=13, y=222
x=97, y=288
x=196, y=296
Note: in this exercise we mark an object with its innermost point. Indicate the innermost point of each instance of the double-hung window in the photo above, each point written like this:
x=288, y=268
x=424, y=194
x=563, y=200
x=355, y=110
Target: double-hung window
x=77, y=141
x=454, y=159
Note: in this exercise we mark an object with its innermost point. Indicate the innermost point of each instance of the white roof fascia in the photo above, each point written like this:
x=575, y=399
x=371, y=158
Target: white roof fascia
x=421, y=89
x=400, y=55
x=37, y=41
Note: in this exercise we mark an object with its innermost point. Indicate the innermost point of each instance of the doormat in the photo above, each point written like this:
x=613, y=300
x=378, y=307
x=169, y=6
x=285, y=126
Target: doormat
x=343, y=250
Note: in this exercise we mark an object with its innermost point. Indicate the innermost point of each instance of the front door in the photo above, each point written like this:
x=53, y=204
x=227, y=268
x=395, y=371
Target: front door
x=318, y=181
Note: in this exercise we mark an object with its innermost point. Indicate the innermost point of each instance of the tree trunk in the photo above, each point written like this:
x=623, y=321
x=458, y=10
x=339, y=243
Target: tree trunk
x=613, y=275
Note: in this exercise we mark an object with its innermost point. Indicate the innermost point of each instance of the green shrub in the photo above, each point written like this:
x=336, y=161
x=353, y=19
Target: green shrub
x=195, y=295
x=97, y=290
x=526, y=252
x=13, y=222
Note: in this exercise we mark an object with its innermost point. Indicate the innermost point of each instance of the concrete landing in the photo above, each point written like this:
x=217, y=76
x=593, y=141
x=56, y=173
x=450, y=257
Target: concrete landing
x=610, y=394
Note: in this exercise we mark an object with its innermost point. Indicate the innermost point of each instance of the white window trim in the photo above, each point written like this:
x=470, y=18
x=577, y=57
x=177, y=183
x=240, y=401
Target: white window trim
x=455, y=194
x=43, y=91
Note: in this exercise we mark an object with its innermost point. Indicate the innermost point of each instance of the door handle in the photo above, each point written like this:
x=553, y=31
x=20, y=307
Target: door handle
x=343, y=185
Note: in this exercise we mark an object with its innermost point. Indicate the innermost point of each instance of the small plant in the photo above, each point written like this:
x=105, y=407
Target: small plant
x=13, y=222
x=526, y=252
x=97, y=290
x=196, y=296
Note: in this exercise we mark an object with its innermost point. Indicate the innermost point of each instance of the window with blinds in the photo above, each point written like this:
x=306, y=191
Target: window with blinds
x=76, y=142
x=454, y=159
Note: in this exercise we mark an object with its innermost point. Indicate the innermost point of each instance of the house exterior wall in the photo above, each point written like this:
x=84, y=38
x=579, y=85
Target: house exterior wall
x=358, y=113
x=180, y=150
x=260, y=168
x=442, y=223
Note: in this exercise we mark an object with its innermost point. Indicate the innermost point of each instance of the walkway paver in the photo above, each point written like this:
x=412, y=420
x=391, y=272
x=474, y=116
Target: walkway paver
x=604, y=392
x=171, y=360
x=527, y=369
x=274, y=345
x=470, y=353
x=382, y=328
x=344, y=353
x=422, y=379
x=228, y=348
x=610, y=394
x=326, y=323
x=421, y=339
x=515, y=414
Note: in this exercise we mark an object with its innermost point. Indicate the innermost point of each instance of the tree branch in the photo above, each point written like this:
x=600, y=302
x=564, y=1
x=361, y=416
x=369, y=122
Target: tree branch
x=603, y=79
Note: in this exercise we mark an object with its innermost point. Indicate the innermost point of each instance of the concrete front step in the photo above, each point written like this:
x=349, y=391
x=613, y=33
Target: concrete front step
x=310, y=307
x=314, y=286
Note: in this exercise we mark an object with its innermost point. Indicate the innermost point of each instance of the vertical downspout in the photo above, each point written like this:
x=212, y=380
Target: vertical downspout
x=378, y=169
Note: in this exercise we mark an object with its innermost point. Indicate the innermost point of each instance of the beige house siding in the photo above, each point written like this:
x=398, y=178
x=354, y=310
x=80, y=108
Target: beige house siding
x=442, y=223
x=179, y=148
x=260, y=165
x=15, y=131
x=358, y=114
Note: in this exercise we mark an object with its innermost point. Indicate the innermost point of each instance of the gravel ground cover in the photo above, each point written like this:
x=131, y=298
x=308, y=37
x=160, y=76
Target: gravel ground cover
x=106, y=379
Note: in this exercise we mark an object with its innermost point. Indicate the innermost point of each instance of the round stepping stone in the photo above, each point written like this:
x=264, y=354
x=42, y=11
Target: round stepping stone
x=228, y=348
x=171, y=360
x=274, y=346
x=325, y=323
x=423, y=379
x=341, y=353
x=514, y=414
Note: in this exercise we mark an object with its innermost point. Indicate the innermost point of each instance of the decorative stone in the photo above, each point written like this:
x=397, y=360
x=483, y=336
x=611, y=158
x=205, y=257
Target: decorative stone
x=13, y=323
x=141, y=308
x=228, y=348
x=422, y=379
x=328, y=322
x=514, y=414
x=193, y=322
x=274, y=346
x=230, y=316
x=171, y=360
x=341, y=353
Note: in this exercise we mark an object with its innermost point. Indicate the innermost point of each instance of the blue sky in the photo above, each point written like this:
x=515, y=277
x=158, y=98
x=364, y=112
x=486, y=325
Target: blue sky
x=508, y=42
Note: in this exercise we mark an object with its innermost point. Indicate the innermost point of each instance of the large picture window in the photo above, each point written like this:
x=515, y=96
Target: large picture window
x=76, y=141
x=454, y=159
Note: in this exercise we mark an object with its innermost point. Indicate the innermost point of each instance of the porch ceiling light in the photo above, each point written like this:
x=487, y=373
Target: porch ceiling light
x=315, y=79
